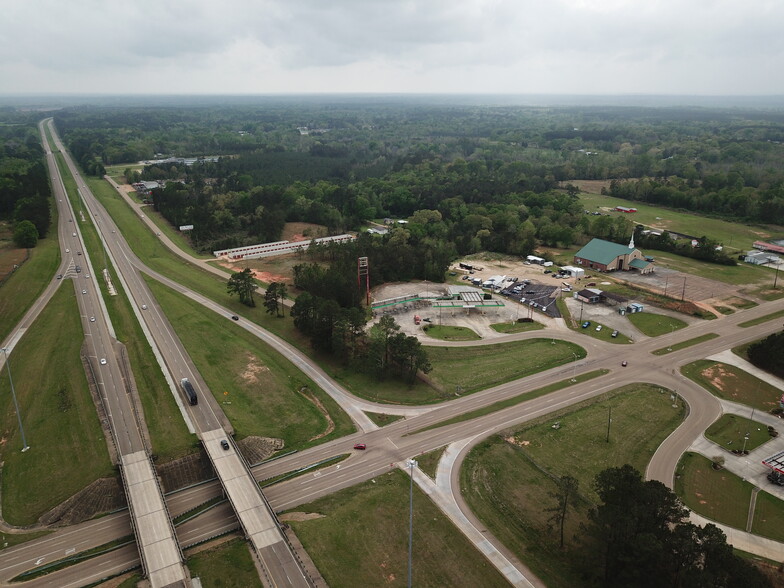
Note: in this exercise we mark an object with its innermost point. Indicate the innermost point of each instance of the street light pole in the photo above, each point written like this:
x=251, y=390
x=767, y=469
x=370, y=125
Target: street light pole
x=574, y=367
x=25, y=447
x=411, y=465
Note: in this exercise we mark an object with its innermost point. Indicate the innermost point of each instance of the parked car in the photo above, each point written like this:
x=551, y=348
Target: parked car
x=103, y=361
x=598, y=328
x=624, y=363
x=92, y=319
x=360, y=446
x=614, y=334
x=776, y=477
x=586, y=324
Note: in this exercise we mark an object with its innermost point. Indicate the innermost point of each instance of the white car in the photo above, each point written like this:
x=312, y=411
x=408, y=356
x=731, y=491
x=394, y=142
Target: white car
x=67, y=250
x=92, y=319
x=598, y=327
x=84, y=291
x=103, y=361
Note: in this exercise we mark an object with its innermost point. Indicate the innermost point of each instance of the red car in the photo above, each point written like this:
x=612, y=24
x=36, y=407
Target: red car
x=360, y=446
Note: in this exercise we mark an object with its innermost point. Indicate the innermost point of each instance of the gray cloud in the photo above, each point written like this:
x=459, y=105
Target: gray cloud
x=570, y=46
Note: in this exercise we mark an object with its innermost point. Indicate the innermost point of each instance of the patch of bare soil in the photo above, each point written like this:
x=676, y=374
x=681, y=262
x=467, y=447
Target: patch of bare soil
x=103, y=495
x=300, y=516
x=252, y=371
x=302, y=232
x=718, y=376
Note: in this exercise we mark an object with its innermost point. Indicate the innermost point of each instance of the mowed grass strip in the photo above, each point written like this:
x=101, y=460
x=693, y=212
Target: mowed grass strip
x=734, y=432
x=261, y=392
x=762, y=319
x=229, y=565
x=59, y=418
x=768, y=517
x=362, y=539
x=517, y=327
x=483, y=366
x=654, y=325
x=685, y=344
x=428, y=462
x=496, y=406
x=169, y=435
x=732, y=383
x=450, y=333
x=719, y=495
x=508, y=480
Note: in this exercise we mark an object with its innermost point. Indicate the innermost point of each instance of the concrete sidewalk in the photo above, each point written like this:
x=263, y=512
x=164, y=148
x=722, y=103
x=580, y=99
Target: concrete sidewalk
x=441, y=494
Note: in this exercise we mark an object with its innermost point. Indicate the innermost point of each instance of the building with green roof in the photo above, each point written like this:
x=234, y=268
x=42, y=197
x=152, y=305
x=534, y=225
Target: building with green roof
x=605, y=256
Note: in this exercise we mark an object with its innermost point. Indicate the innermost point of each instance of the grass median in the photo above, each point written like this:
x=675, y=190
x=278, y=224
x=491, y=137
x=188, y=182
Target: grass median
x=261, y=392
x=59, y=418
x=509, y=479
x=169, y=435
x=685, y=344
x=516, y=400
x=361, y=539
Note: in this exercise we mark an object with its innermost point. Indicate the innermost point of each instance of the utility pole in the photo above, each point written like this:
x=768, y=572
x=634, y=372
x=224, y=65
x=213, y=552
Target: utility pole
x=411, y=465
x=609, y=420
x=683, y=294
x=25, y=447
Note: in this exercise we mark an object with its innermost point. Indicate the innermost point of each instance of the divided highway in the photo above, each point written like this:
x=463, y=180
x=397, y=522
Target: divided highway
x=393, y=443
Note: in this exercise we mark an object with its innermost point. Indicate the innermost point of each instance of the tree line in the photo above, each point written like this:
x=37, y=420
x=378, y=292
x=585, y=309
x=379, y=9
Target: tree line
x=25, y=194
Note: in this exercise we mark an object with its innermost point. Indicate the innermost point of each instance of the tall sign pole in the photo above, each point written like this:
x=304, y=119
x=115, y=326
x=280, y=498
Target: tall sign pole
x=363, y=269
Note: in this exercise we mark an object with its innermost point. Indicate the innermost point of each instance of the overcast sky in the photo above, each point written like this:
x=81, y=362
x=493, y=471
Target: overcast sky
x=702, y=47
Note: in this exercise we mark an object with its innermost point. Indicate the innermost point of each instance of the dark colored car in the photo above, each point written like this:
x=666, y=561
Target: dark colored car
x=614, y=334
x=234, y=317
x=225, y=444
x=776, y=477
x=586, y=324
x=360, y=446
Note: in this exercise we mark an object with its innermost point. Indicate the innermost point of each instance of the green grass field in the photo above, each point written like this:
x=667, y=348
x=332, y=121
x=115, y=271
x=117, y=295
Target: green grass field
x=260, y=390
x=362, y=539
x=730, y=431
x=450, y=333
x=768, y=517
x=719, y=495
x=58, y=416
x=508, y=479
x=26, y=284
x=731, y=383
x=516, y=327
x=480, y=367
x=732, y=235
x=654, y=325
x=228, y=565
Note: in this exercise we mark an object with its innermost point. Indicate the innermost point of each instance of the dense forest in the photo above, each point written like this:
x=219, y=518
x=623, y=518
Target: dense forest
x=24, y=184
x=477, y=177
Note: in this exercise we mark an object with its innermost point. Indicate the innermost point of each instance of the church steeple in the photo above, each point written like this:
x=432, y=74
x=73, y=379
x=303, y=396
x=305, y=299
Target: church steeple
x=631, y=243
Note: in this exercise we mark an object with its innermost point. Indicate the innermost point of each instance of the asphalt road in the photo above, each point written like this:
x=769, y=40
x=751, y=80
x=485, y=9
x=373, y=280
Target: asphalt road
x=404, y=439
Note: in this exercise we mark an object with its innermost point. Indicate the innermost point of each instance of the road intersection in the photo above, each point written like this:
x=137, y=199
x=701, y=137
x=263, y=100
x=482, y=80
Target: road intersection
x=392, y=445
